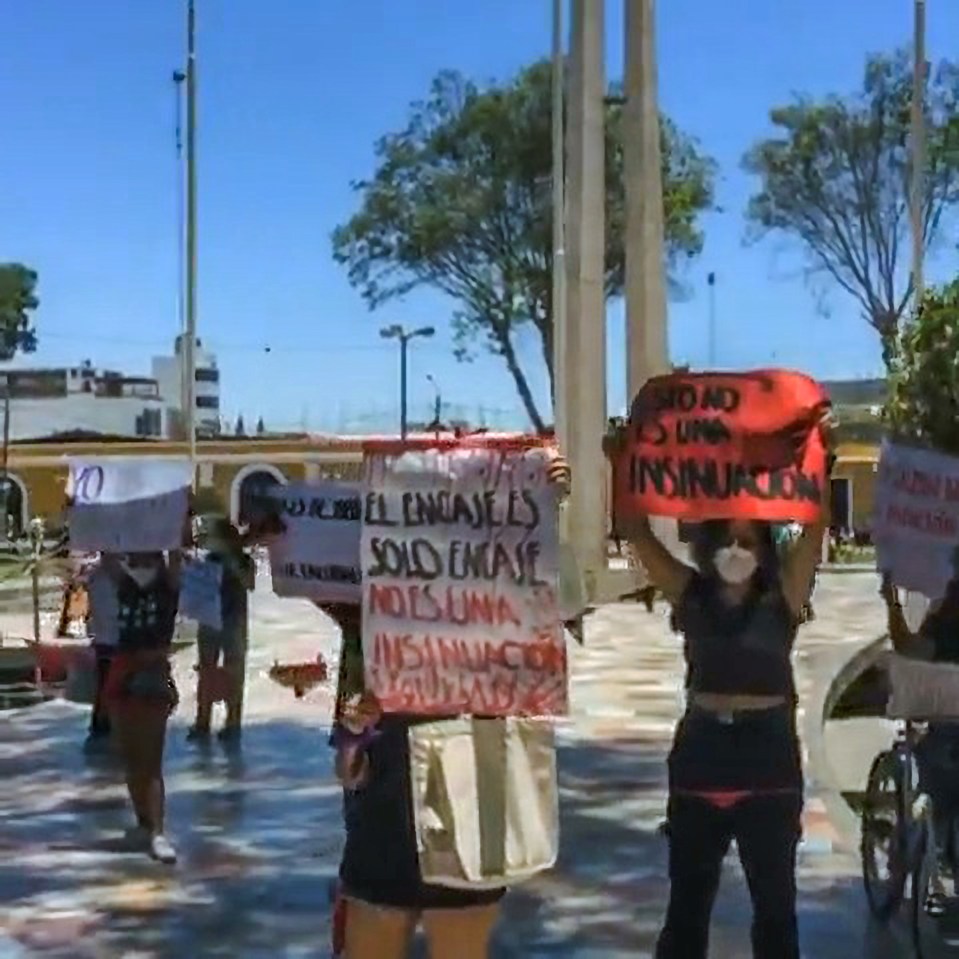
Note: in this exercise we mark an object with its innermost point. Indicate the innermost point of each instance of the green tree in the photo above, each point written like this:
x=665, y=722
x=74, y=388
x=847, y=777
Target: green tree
x=461, y=202
x=836, y=177
x=18, y=300
x=923, y=403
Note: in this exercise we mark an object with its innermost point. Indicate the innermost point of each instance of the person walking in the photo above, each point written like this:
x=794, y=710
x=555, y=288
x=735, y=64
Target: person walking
x=139, y=690
x=228, y=644
x=102, y=622
x=734, y=769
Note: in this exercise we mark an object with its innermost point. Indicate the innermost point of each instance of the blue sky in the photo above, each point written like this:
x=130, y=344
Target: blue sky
x=293, y=94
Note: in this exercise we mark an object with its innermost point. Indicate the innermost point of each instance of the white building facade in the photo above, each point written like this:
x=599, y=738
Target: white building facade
x=169, y=373
x=49, y=402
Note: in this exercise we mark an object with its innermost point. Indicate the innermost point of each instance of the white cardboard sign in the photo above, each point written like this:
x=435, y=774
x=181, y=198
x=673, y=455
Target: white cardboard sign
x=128, y=504
x=318, y=557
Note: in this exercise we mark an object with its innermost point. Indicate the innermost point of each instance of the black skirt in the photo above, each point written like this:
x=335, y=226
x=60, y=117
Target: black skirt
x=380, y=863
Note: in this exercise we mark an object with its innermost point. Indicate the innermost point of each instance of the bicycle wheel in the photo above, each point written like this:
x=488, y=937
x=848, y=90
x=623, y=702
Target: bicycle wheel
x=882, y=846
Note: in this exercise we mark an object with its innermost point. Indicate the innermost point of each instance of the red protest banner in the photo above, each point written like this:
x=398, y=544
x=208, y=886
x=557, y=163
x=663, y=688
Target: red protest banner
x=460, y=567
x=724, y=446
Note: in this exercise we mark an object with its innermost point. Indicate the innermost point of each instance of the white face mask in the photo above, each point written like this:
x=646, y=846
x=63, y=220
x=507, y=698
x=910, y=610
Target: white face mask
x=735, y=564
x=141, y=575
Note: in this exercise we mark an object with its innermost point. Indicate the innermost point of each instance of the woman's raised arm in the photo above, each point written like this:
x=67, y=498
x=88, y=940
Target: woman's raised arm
x=904, y=640
x=668, y=574
x=803, y=558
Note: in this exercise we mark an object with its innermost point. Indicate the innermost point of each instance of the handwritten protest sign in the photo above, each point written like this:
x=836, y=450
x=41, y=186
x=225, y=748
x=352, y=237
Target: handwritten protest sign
x=128, y=504
x=916, y=523
x=724, y=446
x=460, y=578
x=200, y=595
x=318, y=556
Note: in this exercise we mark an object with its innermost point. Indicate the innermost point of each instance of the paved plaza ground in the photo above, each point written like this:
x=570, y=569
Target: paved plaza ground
x=259, y=829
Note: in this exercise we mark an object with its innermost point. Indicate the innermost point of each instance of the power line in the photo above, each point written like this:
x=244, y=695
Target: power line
x=216, y=347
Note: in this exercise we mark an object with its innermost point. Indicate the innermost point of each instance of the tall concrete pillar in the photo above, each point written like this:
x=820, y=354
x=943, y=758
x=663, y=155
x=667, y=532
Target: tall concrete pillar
x=647, y=349
x=585, y=360
x=647, y=345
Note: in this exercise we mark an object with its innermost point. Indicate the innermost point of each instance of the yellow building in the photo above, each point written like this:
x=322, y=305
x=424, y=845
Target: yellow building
x=854, y=485
x=229, y=471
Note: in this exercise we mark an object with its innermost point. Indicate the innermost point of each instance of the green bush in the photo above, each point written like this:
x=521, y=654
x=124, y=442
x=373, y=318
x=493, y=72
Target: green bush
x=923, y=404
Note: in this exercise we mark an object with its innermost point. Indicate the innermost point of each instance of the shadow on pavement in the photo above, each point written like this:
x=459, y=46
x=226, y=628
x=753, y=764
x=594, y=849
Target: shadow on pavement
x=259, y=832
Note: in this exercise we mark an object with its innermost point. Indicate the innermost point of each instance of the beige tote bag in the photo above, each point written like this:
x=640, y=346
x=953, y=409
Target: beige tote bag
x=485, y=800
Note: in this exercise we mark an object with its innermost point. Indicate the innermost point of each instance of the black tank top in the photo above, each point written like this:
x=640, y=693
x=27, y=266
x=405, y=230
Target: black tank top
x=737, y=650
x=942, y=627
x=146, y=615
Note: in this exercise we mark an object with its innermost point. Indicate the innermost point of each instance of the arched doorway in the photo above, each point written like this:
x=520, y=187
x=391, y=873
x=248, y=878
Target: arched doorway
x=13, y=507
x=250, y=486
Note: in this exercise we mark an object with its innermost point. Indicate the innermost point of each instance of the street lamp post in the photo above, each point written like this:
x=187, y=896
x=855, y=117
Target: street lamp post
x=711, y=281
x=437, y=403
x=397, y=332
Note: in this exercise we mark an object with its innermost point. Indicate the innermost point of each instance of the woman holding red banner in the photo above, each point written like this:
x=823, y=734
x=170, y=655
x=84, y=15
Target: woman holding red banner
x=735, y=769
x=383, y=897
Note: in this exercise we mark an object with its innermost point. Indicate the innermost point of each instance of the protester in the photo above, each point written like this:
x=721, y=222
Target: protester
x=102, y=627
x=228, y=643
x=785, y=535
x=139, y=690
x=937, y=640
x=735, y=768
x=384, y=897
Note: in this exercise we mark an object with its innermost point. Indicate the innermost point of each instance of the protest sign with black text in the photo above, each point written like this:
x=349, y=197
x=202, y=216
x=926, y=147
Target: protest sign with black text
x=724, y=446
x=318, y=555
x=128, y=504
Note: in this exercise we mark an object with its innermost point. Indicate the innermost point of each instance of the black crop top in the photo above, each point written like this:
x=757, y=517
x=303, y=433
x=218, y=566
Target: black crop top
x=146, y=615
x=736, y=650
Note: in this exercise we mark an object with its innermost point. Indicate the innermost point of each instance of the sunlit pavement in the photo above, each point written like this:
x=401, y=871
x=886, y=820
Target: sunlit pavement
x=258, y=829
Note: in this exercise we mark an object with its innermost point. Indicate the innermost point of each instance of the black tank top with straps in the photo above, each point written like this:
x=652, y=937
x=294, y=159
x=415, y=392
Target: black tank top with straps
x=737, y=650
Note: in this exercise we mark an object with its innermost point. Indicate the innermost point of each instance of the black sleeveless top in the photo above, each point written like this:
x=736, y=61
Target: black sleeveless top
x=942, y=627
x=737, y=650
x=146, y=615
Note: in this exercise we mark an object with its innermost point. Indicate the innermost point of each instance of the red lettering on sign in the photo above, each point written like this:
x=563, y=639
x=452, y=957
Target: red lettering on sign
x=459, y=606
x=439, y=675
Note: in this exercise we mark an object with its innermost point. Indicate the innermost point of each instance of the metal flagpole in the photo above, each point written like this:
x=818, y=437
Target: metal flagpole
x=189, y=342
x=918, y=136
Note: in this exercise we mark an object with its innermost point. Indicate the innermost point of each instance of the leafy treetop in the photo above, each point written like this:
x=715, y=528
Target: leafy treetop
x=18, y=300
x=836, y=176
x=923, y=404
x=461, y=202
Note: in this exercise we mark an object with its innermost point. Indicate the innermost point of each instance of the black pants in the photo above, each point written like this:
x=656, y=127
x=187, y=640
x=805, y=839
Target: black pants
x=766, y=829
x=757, y=754
x=938, y=758
x=100, y=718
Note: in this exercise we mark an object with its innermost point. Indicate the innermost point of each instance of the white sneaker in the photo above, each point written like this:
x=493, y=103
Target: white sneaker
x=161, y=849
